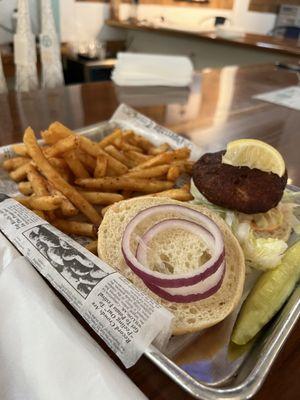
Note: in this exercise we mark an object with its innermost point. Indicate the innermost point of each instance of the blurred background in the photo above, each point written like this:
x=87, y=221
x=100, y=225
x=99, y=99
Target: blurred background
x=212, y=33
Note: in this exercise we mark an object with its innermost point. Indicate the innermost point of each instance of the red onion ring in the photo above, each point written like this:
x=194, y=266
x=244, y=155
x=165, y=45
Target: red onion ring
x=178, y=280
x=208, y=288
x=141, y=252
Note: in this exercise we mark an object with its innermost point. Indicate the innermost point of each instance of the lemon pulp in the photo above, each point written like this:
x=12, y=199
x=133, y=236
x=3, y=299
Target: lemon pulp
x=254, y=153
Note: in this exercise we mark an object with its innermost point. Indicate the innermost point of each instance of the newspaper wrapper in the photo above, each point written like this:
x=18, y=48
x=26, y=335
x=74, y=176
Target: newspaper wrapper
x=125, y=318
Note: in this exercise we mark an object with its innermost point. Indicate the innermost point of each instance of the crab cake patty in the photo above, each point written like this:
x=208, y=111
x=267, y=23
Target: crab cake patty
x=238, y=188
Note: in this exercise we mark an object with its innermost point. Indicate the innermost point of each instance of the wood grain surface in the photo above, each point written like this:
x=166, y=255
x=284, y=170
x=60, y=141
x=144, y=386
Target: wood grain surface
x=218, y=107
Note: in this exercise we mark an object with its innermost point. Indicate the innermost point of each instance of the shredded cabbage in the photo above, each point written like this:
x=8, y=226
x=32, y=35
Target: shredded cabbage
x=290, y=196
x=199, y=199
x=263, y=253
x=260, y=253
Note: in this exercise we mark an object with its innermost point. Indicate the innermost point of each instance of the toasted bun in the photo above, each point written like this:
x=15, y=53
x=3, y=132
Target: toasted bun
x=189, y=317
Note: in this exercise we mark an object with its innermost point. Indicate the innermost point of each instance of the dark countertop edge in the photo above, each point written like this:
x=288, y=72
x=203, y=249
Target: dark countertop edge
x=262, y=44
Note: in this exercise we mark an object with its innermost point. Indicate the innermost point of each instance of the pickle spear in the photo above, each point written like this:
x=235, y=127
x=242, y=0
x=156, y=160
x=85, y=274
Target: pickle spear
x=269, y=293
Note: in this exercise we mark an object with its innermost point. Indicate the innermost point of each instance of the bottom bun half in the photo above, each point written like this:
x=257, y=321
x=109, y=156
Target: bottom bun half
x=189, y=317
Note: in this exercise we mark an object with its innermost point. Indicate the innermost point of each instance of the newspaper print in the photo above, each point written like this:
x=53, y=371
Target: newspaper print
x=126, y=319
x=89, y=285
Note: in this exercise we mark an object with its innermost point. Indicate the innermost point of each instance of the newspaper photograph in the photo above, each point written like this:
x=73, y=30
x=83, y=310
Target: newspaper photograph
x=123, y=316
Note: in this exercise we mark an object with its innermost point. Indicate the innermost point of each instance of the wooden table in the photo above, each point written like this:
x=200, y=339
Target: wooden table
x=218, y=108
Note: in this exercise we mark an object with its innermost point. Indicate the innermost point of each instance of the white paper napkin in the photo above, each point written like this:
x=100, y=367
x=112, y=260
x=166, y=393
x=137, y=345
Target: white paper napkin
x=133, y=69
x=45, y=353
x=287, y=97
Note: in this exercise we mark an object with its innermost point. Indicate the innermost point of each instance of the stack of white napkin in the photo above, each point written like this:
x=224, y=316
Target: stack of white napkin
x=133, y=69
x=45, y=353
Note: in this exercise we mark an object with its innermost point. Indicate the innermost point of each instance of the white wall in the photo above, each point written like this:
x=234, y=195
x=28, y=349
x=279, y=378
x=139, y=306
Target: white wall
x=82, y=21
x=6, y=10
x=85, y=21
x=251, y=21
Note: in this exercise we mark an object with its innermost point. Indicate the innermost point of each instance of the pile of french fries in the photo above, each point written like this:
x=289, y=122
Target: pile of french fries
x=71, y=180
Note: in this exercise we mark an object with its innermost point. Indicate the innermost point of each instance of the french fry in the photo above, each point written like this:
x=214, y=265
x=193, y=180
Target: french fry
x=102, y=199
x=173, y=173
x=20, y=173
x=129, y=137
x=52, y=136
x=14, y=163
x=43, y=203
x=113, y=164
x=76, y=228
x=25, y=188
x=64, y=173
x=160, y=149
x=101, y=167
x=57, y=162
x=117, y=133
x=61, y=167
x=39, y=187
x=87, y=160
x=184, y=165
x=93, y=247
x=188, y=166
x=62, y=146
x=187, y=186
x=119, y=156
x=122, y=145
x=92, y=148
x=67, y=208
x=142, y=142
x=165, y=158
x=75, y=165
x=38, y=183
x=20, y=149
x=56, y=180
x=175, y=194
x=152, y=172
x=138, y=158
x=123, y=183
x=60, y=130
x=95, y=150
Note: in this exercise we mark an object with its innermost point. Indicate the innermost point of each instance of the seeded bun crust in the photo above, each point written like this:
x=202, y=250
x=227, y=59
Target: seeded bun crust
x=189, y=317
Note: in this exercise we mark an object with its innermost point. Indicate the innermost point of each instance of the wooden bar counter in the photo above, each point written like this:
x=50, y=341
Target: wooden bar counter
x=218, y=107
x=205, y=48
x=290, y=47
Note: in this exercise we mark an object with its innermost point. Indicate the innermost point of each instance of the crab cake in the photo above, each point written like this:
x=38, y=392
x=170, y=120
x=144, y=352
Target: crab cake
x=238, y=188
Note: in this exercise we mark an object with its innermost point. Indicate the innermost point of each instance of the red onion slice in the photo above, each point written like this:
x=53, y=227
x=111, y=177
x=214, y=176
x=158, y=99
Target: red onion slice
x=196, y=229
x=188, y=294
x=176, y=280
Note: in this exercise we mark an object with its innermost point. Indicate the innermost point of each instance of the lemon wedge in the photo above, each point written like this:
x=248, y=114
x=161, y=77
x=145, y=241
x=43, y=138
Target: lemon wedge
x=254, y=153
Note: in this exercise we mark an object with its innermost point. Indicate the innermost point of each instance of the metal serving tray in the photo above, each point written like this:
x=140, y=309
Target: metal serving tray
x=206, y=364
